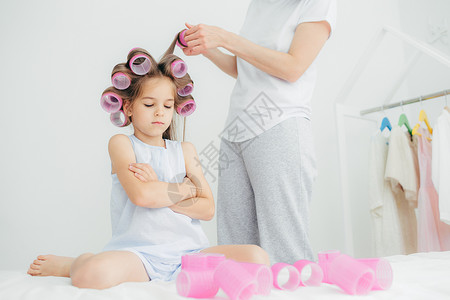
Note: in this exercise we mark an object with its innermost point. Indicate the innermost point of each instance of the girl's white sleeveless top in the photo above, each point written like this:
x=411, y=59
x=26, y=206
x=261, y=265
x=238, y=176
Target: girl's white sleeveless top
x=159, y=234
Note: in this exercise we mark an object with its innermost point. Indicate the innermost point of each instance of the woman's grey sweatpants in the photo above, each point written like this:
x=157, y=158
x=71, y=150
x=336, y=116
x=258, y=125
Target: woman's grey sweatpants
x=264, y=191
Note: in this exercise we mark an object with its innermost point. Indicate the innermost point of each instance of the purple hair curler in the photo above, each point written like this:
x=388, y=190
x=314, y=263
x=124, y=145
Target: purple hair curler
x=186, y=108
x=186, y=90
x=119, y=119
x=294, y=276
x=180, y=39
x=178, y=68
x=121, y=81
x=140, y=64
x=311, y=274
x=111, y=102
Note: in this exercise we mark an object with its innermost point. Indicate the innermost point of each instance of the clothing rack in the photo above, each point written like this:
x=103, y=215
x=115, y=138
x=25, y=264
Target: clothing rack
x=343, y=110
x=410, y=101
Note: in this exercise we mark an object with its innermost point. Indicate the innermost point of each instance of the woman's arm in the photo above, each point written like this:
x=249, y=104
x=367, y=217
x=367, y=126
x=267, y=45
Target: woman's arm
x=147, y=194
x=201, y=207
x=308, y=40
x=225, y=62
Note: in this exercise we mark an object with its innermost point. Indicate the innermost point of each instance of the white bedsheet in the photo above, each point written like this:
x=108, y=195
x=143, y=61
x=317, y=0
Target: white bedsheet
x=417, y=276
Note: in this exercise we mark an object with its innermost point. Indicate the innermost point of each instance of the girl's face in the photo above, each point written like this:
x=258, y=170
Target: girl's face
x=152, y=111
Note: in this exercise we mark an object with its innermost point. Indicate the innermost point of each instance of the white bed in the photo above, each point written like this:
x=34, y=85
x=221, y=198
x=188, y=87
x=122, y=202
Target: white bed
x=417, y=276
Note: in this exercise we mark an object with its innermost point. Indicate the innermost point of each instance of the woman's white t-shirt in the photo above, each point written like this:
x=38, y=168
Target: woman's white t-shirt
x=259, y=101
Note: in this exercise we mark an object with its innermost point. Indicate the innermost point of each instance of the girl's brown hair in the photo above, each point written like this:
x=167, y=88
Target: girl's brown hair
x=158, y=70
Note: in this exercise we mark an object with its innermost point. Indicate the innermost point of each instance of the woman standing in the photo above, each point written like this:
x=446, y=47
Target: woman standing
x=265, y=188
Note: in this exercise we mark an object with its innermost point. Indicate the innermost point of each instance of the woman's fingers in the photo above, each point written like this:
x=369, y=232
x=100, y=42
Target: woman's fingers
x=195, y=42
x=191, y=30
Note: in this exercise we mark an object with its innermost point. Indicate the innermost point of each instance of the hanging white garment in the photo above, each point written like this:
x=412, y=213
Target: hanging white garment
x=440, y=167
x=388, y=236
x=402, y=173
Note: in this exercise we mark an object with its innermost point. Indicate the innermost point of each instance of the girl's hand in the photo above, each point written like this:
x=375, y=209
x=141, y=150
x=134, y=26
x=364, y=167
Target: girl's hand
x=191, y=185
x=191, y=200
x=144, y=172
x=200, y=38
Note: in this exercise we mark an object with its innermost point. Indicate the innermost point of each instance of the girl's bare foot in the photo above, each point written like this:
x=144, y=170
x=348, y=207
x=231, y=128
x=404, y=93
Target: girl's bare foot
x=51, y=265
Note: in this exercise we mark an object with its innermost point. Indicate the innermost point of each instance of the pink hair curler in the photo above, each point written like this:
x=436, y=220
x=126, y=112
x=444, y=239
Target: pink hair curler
x=140, y=64
x=186, y=108
x=294, y=276
x=235, y=281
x=311, y=274
x=354, y=277
x=119, y=119
x=111, y=102
x=196, y=278
x=214, y=260
x=196, y=284
x=121, y=81
x=383, y=272
x=180, y=39
x=194, y=261
x=263, y=275
x=178, y=68
x=186, y=90
x=325, y=259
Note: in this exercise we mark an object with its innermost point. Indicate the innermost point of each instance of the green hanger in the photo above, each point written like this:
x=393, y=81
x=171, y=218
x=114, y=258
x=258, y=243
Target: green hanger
x=403, y=120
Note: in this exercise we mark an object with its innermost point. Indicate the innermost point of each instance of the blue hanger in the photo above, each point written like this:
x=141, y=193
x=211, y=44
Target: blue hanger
x=385, y=123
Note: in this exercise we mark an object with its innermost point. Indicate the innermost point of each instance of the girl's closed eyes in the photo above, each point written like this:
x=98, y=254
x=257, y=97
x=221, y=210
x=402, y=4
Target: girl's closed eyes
x=150, y=105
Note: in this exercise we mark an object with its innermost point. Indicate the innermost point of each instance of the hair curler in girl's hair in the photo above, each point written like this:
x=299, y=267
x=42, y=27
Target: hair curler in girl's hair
x=173, y=66
x=111, y=102
x=119, y=119
x=120, y=77
x=178, y=68
x=187, y=107
x=140, y=61
x=186, y=90
x=180, y=39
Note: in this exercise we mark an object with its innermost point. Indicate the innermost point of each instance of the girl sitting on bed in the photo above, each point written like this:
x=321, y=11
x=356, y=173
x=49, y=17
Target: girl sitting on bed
x=159, y=192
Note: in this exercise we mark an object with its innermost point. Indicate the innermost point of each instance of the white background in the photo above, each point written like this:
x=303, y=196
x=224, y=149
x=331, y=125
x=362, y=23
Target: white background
x=56, y=58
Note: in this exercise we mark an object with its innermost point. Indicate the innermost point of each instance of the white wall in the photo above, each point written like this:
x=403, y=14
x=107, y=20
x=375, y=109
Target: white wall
x=56, y=59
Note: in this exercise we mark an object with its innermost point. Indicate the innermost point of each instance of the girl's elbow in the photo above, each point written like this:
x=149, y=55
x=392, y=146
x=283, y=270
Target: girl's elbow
x=211, y=213
x=294, y=75
x=143, y=200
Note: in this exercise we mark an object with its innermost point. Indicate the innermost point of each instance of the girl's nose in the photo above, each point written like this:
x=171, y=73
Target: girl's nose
x=159, y=112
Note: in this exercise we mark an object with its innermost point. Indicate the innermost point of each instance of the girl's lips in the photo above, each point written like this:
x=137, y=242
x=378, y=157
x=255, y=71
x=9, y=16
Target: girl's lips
x=159, y=123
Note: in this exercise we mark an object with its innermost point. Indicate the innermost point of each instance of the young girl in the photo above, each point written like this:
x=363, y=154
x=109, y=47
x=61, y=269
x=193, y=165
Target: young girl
x=159, y=192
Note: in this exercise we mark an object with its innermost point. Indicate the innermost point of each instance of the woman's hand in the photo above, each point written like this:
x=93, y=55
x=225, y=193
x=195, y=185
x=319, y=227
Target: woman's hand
x=144, y=172
x=201, y=37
